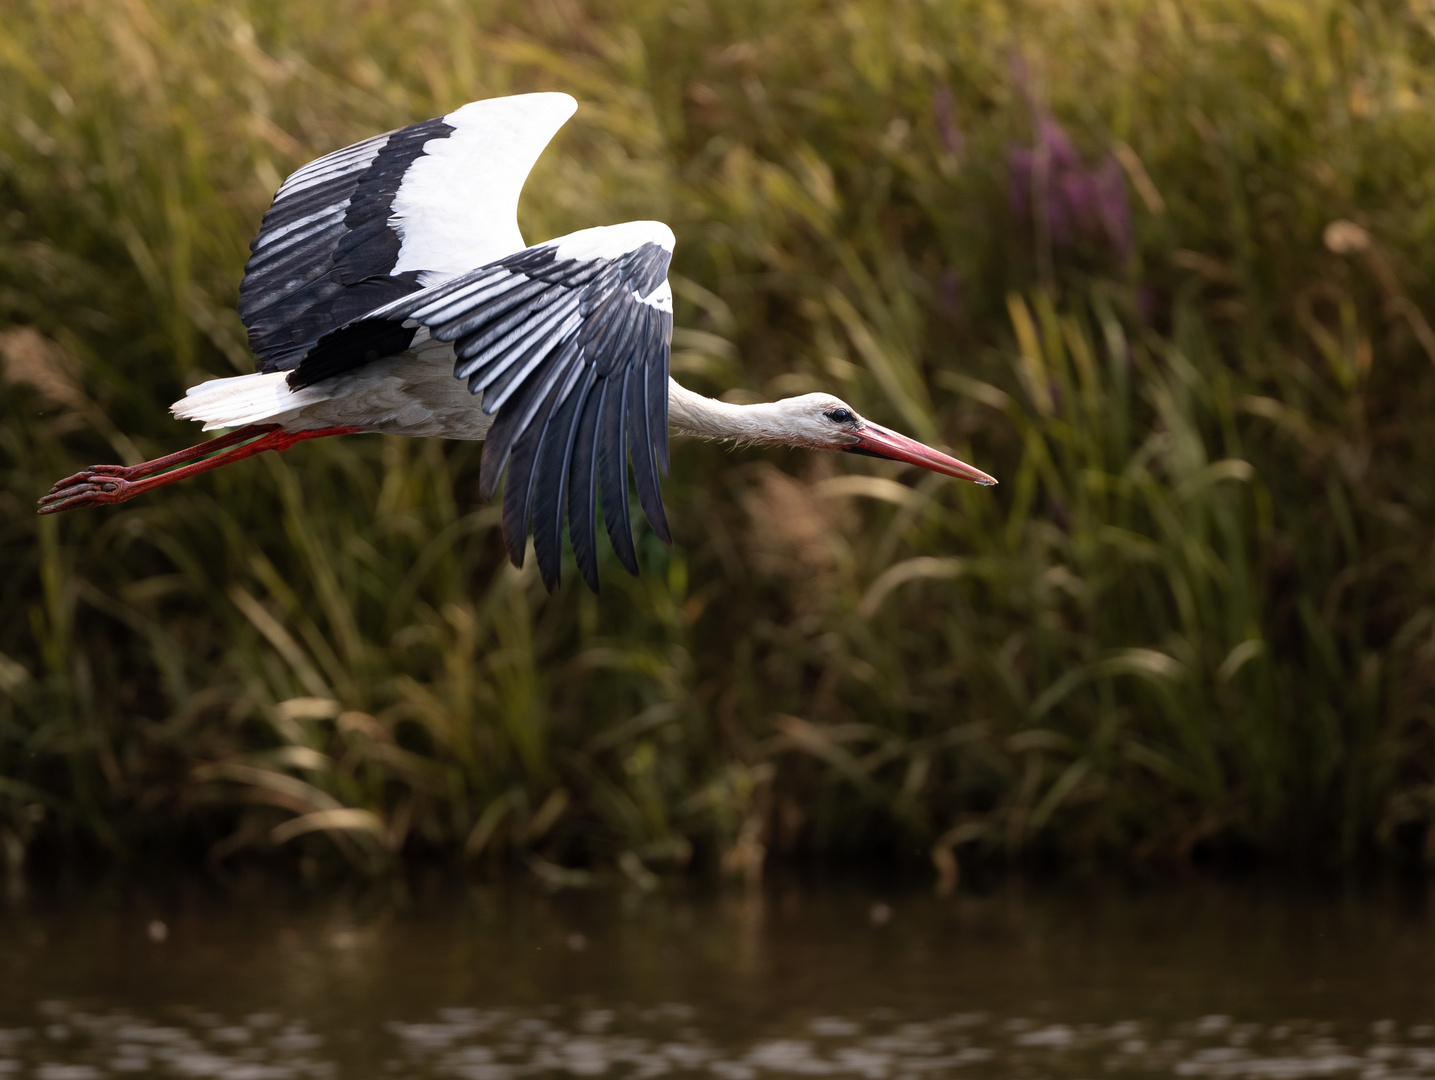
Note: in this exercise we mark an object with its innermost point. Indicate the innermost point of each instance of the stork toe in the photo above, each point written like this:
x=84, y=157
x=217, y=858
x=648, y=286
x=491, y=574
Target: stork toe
x=88, y=488
x=87, y=475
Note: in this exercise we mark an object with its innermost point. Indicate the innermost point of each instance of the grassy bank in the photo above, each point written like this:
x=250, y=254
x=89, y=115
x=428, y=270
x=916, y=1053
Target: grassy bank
x=1162, y=268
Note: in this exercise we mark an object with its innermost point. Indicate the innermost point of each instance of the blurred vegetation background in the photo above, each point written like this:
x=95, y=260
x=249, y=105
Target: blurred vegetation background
x=1162, y=267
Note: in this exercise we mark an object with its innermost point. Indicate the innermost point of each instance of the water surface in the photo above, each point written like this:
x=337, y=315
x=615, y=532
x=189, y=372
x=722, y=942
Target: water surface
x=491, y=984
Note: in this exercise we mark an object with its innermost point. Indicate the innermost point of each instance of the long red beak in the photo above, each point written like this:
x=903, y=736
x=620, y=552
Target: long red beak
x=876, y=441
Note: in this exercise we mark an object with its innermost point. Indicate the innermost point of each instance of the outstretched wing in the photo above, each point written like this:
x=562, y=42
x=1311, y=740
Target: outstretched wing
x=568, y=343
x=386, y=217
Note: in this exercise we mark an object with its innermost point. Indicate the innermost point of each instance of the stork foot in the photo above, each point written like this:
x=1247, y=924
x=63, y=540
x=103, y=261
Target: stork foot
x=97, y=486
x=85, y=476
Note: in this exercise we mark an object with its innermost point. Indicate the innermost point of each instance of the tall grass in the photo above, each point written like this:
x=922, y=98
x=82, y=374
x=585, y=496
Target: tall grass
x=1162, y=268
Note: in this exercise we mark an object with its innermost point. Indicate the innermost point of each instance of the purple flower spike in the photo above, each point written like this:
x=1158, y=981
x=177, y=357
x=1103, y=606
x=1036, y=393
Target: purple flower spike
x=1080, y=200
x=1061, y=151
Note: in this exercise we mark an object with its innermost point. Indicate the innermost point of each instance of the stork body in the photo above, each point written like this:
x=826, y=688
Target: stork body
x=389, y=290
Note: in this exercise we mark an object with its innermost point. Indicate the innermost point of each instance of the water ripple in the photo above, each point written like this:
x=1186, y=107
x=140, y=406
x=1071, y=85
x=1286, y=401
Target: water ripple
x=70, y=1043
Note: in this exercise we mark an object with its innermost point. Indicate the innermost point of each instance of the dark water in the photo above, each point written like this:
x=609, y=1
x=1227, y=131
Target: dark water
x=490, y=984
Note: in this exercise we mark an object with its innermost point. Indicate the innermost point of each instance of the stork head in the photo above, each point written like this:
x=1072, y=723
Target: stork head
x=828, y=423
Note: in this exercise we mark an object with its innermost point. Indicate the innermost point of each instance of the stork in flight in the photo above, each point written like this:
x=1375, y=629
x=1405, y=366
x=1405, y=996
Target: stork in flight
x=389, y=290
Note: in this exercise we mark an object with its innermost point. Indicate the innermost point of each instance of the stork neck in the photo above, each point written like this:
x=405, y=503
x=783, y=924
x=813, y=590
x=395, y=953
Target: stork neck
x=707, y=418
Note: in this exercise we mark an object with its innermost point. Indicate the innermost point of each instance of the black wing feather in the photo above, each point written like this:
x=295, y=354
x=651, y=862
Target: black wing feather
x=645, y=468
x=528, y=409
x=550, y=481
x=475, y=331
x=583, y=485
x=507, y=377
x=325, y=254
x=613, y=470
x=615, y=345
x=571, y=357
x=658, y=400
x=519, y=493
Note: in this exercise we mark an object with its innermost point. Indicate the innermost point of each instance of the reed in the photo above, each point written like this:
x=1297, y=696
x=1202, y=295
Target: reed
x=1162, y=268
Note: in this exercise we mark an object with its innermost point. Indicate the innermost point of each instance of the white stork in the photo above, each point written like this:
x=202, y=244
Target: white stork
x=389, y=290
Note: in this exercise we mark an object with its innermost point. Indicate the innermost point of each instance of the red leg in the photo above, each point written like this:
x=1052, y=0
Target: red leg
x=101, y=486
x=158, y=465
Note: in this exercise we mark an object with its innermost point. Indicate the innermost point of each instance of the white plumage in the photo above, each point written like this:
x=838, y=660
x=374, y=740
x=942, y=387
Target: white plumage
x=448, y=226
x=413, y=394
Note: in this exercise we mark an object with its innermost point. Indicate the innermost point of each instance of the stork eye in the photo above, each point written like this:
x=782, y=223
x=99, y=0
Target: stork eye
x=840, y=416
